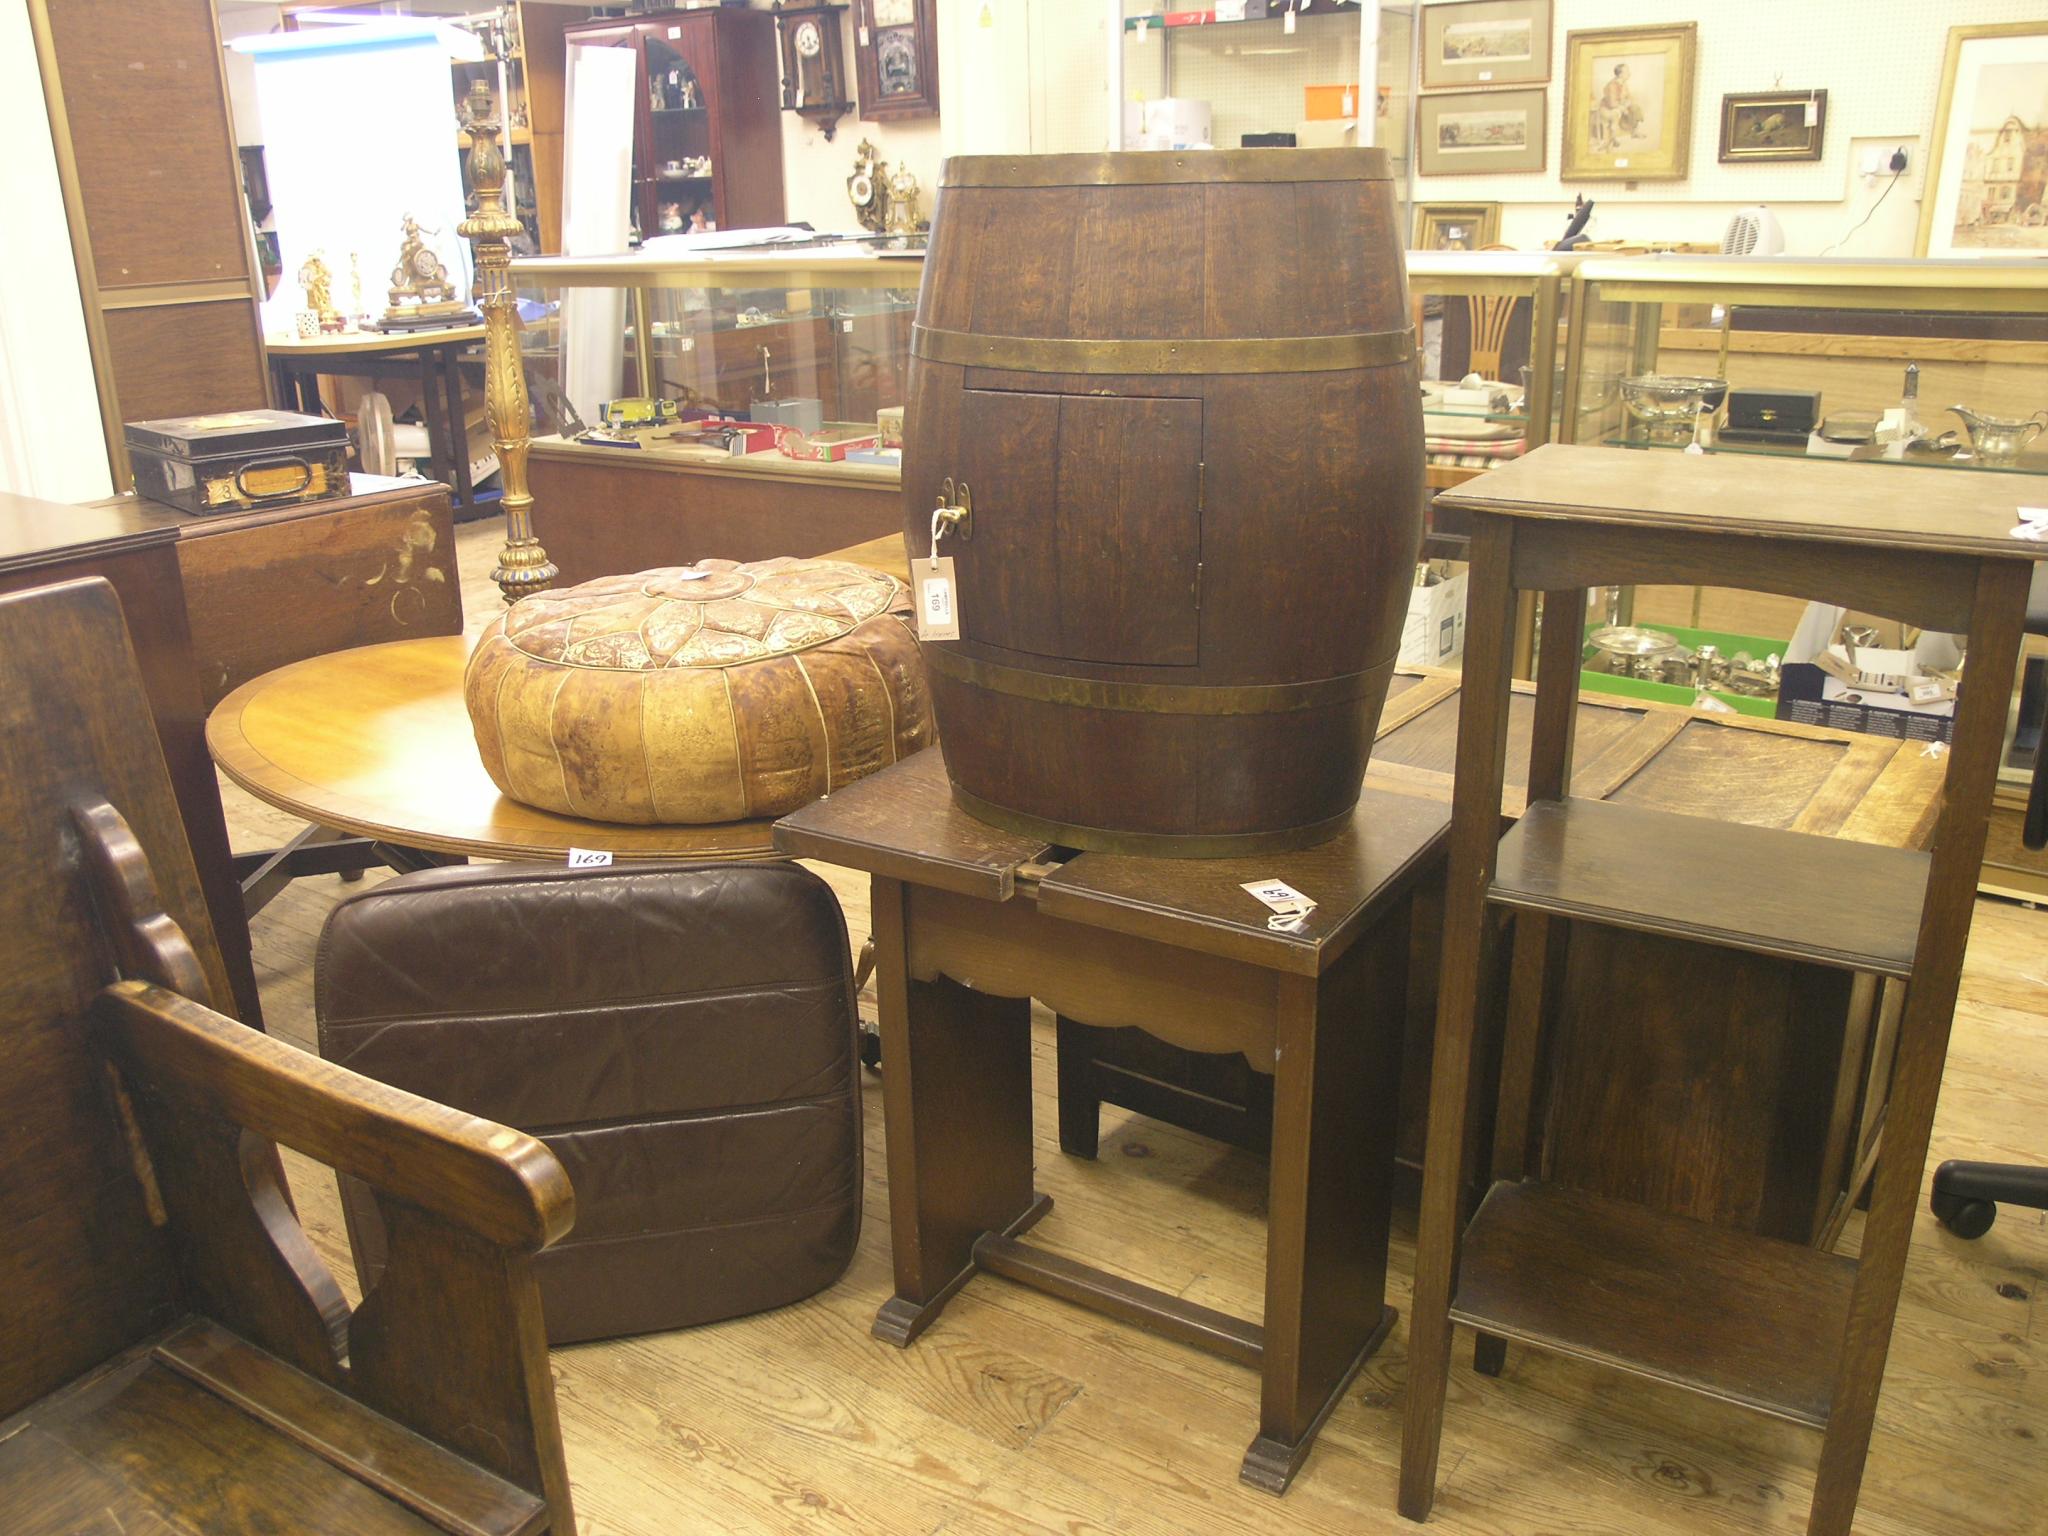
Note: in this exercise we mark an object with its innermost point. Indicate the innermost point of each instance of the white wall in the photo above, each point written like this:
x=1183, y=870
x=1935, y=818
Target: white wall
x=50, y=440
x=1878, y=60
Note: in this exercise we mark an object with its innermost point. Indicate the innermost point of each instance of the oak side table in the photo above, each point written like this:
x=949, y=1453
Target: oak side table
x=1786, y=1329
x=971, y=923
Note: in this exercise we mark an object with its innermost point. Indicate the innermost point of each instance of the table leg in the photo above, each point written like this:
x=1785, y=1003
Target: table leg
x=1467, y=961
x=434, y=408
x=957, y=1095
x=1080, y=1105
x=443, y=361
x=1335, y=1093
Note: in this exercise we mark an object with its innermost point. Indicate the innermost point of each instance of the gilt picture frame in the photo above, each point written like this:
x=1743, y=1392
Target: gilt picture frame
x=1456, y=226
x=1628, y=103
x=1760, y=127
x=1982, y=198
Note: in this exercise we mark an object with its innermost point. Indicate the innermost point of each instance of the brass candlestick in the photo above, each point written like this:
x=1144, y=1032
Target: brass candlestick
x=523, y=566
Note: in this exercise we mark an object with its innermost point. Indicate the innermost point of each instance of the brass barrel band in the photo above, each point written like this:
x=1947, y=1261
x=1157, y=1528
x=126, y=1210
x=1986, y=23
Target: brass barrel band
x=1190, y=355
x=1153, y=169
x=1152, y=698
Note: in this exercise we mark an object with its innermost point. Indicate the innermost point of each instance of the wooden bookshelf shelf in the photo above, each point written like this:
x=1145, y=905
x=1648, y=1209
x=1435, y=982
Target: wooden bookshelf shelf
x=1749, y=1320
x=1822, y=900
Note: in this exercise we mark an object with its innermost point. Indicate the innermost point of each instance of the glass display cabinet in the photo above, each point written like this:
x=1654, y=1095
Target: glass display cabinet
x=1498, y=315
x=1920, y=367
x=741, y=404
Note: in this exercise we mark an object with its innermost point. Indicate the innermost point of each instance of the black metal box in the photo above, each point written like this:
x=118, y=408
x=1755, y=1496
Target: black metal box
x=234, y=460
x=1771, y=415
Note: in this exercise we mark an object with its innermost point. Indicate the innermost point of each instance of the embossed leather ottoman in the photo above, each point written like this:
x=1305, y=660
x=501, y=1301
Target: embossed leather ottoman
x=714, y=692
x=680, y=1035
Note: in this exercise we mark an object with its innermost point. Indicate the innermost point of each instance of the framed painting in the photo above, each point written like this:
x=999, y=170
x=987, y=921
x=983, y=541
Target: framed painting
x=896, y=56
x=1628, y=103
x=1762, y=126
x=1986, y=194
x=1456, y=226
x=1485, y=43
x=1465, y=133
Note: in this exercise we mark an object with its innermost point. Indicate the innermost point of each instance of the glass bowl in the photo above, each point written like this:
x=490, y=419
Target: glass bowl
x=1668, y=404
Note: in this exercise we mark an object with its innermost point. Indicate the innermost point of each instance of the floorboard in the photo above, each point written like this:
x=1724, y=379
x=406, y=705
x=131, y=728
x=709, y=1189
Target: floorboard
x=1016, y=1413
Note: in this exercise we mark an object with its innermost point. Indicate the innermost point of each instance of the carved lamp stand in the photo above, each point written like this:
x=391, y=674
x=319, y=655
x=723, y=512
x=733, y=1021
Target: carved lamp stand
x=523, y=566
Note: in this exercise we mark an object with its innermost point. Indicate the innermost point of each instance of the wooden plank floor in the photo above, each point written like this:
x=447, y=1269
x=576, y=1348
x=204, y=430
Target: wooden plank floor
x=1016, y=1413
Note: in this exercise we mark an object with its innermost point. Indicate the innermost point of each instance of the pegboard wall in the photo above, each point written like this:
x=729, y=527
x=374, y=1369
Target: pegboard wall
x=1878, y=60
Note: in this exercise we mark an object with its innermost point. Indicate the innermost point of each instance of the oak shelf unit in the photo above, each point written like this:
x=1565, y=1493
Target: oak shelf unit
x=1750, y=1320
x=1780, y=1327
x=1780, y=893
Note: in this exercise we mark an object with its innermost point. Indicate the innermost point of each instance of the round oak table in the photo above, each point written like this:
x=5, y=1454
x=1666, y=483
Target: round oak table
x=376, y=741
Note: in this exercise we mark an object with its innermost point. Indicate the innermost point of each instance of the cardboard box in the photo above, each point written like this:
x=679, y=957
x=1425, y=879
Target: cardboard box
x=1434, y=635
x=1822, y=684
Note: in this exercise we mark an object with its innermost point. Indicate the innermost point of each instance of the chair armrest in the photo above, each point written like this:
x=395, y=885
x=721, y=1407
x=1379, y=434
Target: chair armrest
x=483, y=1177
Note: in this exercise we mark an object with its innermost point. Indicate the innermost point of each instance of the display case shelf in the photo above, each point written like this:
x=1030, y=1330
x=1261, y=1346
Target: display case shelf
x=1823, y=900
x=2028, y=463
x=1749, y=1320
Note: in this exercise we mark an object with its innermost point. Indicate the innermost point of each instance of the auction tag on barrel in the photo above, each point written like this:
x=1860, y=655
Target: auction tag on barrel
x=938, y=608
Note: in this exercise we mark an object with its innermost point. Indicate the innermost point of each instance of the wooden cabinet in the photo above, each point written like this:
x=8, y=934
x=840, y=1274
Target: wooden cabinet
x=706, y=90
x=153, y=192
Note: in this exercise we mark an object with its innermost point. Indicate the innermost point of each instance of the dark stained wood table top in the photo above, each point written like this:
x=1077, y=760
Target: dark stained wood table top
x=903, y=823
x=1823, y=499
x=35, y=532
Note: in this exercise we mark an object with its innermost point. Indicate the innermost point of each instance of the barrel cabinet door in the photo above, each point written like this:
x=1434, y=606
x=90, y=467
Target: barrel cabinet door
x=1087, y=526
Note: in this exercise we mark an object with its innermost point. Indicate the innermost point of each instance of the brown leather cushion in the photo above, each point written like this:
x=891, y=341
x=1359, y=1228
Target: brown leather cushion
x=713, y=692
x=681, y=1036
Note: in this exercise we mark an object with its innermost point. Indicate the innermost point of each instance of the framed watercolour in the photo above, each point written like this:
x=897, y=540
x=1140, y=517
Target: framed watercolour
x=1628, y=103
x=1464, y=133
x=1456, y=226
x=1760, y=126
x=1987, y=172
x=896, y=54
x=1485, y=43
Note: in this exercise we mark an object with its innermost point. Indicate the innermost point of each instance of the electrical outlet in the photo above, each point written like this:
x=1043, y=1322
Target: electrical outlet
x=1873, y=162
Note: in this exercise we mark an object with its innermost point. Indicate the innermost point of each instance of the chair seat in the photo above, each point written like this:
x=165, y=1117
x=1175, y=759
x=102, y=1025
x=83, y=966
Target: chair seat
x=197, y=1431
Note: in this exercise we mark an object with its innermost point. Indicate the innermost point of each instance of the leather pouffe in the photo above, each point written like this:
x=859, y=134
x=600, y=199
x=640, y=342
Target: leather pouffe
x=680, y=1035
x=707, y=693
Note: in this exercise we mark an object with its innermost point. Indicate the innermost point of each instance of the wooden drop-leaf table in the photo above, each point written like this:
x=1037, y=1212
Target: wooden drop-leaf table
x=971, y=923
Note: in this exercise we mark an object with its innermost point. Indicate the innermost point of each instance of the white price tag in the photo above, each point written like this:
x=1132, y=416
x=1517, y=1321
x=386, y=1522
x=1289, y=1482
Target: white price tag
x=1142, y=32
x=938, y=606
x=2033, y=524
x=863, y=37
x=687, y=575
x=1290, y=907
x=847, y=326
x=1349, y=107
x=674, y=33
x=1486, y=74
x=1287, y=22
x=589, y=858
x=1621, y=162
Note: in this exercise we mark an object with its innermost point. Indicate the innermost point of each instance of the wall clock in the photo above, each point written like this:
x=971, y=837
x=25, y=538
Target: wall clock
x=896, y=50
x=813, y=66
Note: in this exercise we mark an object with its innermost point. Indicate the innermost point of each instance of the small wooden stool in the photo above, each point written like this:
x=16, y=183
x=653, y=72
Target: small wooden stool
x=972, y=922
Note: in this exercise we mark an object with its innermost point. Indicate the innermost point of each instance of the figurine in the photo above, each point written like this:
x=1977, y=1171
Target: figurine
x=868, y=187
x=319, y=285
x=419, y=276
x=903, y=219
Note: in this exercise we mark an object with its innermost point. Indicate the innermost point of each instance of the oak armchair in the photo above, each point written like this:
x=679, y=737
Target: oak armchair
x=176, y=1356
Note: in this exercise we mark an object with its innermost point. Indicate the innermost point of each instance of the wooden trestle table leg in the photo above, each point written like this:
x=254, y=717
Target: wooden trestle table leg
x=1475, y=835
x=1335, y=1087
x=1958, y=852
x=957, y=1095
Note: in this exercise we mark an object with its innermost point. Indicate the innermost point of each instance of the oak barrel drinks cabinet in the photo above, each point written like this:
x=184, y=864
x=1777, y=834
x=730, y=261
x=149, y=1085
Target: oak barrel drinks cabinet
x=1780, y=1327
x=1169, y=404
